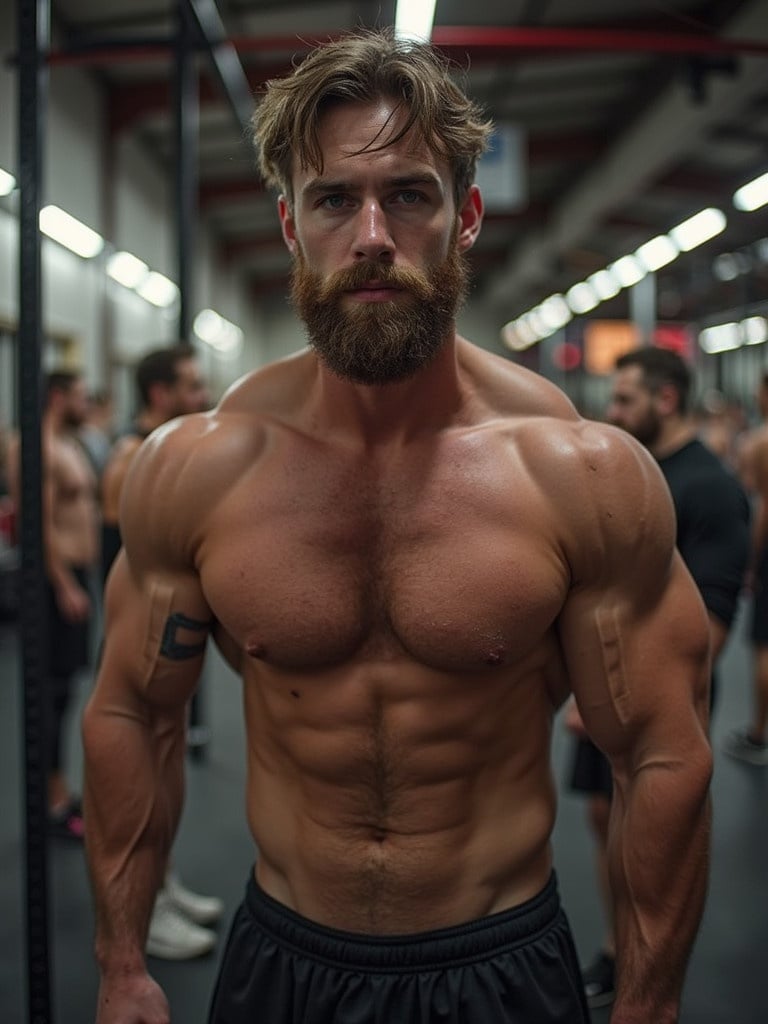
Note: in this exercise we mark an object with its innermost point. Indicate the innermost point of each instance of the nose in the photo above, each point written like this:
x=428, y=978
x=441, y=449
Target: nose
x=373, y=240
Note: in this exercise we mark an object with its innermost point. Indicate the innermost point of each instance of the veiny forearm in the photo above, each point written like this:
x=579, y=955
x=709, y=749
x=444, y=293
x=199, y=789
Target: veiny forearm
x=658, y=859
x=133, y=798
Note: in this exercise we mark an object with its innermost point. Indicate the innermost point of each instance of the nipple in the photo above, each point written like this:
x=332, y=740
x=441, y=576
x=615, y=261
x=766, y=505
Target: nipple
x=495, y=656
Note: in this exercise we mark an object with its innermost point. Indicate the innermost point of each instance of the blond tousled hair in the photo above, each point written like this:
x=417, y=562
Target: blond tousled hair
x=361, y=68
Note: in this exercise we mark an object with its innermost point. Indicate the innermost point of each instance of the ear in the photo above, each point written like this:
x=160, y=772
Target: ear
x=668, y=400
x=470, y=219
x=287, y=224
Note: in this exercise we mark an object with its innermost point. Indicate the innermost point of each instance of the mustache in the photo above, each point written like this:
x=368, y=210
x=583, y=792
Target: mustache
x=361, y=274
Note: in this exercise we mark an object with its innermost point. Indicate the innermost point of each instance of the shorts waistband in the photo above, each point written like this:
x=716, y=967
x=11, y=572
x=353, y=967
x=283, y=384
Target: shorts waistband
x=465, y=943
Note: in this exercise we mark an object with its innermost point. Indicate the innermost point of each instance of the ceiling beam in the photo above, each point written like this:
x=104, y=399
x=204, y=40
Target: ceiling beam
x=670, y=129
x=225, y=60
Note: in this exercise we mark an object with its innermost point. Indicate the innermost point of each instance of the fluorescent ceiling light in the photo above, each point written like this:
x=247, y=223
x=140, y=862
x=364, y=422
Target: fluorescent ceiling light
x=604, y=283
x=414, y=19
x=69, y=232
x=555, y=313
x=582, y=297
x=525, y=333
x=216, y=331
x=516, y=336
x=753, y=195
x=755, y=330
x=535, y=321
x=657, y=253
x=698, y=229
x=519, y=334
x=721, y=338
x=127, y=269
x=627, y=271
x=157, y=289
x=7, y=183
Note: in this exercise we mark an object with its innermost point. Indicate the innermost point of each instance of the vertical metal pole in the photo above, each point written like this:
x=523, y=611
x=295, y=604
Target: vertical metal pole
x=187, y=154
x=642, y=307
x=187, y=133
x=33, y=39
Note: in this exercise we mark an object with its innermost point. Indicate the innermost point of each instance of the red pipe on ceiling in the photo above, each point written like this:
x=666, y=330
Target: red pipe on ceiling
x=586, y=39
x=477, y=41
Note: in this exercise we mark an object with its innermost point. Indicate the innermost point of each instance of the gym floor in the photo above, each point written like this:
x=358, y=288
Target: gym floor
x=214, y=853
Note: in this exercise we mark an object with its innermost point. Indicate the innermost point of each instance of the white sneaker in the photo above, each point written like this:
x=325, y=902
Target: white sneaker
x=197, y=908
x=740, y=744
x=172, y=936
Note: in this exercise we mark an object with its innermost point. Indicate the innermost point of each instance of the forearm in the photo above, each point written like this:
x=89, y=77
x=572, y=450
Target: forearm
x=133, y=798
x=658, y=859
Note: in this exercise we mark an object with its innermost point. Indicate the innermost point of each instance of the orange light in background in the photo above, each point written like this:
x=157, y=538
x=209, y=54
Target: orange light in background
x=605, y=341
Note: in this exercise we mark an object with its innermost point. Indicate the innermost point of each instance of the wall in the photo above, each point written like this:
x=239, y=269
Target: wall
x=107, y=325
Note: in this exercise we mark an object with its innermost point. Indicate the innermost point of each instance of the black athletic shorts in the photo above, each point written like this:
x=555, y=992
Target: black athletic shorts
x=758, y=627
x=591, y=770
x=516, y=967
x=68, y=642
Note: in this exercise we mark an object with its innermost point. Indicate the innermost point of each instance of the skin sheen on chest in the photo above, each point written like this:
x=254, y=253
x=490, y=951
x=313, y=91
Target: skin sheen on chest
x=304, y=592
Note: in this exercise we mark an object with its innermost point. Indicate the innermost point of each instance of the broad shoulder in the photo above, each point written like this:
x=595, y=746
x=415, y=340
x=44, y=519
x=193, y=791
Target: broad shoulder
x=613, y=505
x=509, y=389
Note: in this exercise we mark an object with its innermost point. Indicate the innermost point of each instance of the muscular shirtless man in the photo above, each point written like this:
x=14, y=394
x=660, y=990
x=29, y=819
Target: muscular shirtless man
x=413, y=551
x=70, y=536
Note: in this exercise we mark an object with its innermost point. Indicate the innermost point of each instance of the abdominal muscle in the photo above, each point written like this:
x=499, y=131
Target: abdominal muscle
x=395, y=799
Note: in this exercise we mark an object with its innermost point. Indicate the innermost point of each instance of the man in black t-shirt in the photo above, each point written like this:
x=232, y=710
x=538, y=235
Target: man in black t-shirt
x=649, y=400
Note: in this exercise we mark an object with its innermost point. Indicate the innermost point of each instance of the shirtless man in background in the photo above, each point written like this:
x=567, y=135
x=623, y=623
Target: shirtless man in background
x=70, y=537
x=169, y=384
x=750, y=743
x=413, y=551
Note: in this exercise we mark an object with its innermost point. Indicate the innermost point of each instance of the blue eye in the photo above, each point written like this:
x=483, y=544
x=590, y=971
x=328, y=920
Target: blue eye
x=334, y=202
x=409, y=197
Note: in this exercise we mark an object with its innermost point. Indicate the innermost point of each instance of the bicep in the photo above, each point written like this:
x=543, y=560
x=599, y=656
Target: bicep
x=156, y=629
x=636, y=652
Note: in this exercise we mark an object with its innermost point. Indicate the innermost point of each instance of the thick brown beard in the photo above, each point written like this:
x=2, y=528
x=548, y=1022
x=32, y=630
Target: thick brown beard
x=380, y=342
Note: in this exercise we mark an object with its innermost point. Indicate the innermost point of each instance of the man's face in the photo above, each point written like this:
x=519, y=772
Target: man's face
x=75, y=405
x=633, y=406
x=189, y=392
x=377, y=244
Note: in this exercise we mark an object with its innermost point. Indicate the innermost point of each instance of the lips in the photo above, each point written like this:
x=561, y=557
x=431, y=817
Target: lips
x=373, y=290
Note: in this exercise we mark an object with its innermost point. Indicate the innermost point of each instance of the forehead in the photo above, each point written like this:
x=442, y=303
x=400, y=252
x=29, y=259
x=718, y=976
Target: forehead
x=629, y=379
x=187, y=369
x=355, y=137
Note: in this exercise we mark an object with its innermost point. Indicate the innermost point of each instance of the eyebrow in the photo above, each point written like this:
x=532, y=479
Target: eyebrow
x=324, y=186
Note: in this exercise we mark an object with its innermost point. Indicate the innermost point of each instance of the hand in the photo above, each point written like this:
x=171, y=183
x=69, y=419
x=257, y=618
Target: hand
x=74, y=602
x=573, y=720
x=132, y=999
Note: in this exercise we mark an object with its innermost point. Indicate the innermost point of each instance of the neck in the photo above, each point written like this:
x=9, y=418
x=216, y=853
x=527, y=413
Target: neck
x=149, y=420
x=390, y=413
x=675, y=433
x=53, y=423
